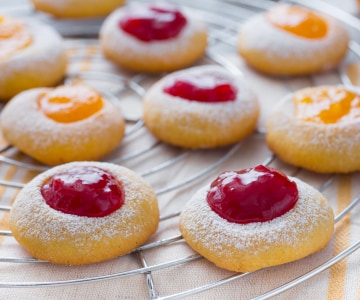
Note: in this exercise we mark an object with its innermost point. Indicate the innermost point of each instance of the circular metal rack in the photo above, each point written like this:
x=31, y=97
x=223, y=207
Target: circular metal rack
x=165, y=166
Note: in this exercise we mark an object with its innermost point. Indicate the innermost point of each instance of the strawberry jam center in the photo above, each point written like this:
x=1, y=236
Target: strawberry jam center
x=66, y=104
x=327, y=105
x=153, y=22
x=256, y=194
x=202, y=88
x=84, y=191
x=298, y=20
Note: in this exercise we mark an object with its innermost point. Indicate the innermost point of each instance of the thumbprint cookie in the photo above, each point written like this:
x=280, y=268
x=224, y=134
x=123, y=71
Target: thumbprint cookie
x=77, y=8
x=200, y=107
x=32, y=54
x=84, y=212
x=62, y=124
x=256, y=218
x=292, y=40
x=317, y=128
x=153, y=37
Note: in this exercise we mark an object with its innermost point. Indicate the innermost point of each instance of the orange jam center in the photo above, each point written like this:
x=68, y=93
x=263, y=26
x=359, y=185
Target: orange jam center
x=67, y=104
x=327, y=105
x=297, y=20
x=14, y=36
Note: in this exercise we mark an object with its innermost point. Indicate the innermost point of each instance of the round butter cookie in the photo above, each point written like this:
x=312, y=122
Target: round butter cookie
x=77, y=8
x=84, y=212
x=200, y=107
x=317, y=128
x=292, y=40
x=32, y=54
x=62, y=124
x=153, y=37
x=256, y=218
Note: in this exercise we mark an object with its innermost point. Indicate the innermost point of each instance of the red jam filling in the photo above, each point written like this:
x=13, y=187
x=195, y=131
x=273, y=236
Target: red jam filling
x=256, y=194
x=202, y=88
x=84, y=191
x=153, y=22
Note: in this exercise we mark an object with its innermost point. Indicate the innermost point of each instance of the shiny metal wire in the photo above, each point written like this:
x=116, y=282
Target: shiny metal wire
x=224, y=19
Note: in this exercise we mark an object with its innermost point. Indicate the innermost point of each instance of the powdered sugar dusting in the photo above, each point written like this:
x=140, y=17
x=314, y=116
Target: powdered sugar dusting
x=205, y=227
x=35, y=219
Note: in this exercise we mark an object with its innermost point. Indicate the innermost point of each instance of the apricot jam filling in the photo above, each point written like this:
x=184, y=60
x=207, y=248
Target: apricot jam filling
x=256, y=194
x=298, y=21
x=84, y=191
x=327, y=105
x=66, y=104
x=201, y=88
x=153, y=22
x=14, y=36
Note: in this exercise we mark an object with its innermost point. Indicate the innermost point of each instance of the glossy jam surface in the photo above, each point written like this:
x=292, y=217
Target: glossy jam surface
x=257, y=194
x=327, y=105
x=14, y=36
x=298, y=21
x=84, y=191
x=153, y=22
x=66, y=104
x=201, y=88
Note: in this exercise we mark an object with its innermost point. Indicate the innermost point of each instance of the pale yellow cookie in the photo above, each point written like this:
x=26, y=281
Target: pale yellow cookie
x=193, y=124
x=292, y=40
x=154, y=55
x=32, y=54
x=303, y=230
x=65, y=238
x=77, y=8
x=317, y=128
x=64, y=124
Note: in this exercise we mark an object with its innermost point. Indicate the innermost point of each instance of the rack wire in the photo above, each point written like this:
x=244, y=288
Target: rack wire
x=161, y=160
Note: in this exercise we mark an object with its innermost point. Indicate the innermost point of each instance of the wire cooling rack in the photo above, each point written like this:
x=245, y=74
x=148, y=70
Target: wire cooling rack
x=164, y=166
